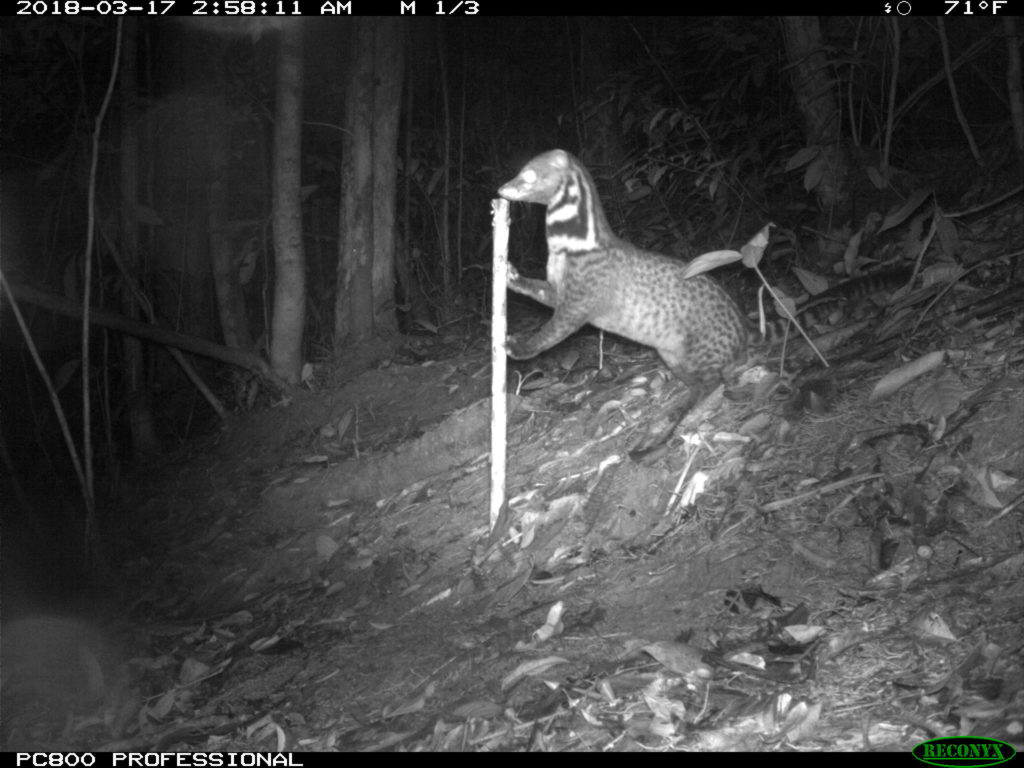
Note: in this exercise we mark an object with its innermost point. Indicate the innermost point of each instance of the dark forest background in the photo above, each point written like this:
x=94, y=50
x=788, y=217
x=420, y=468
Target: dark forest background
x=698, y=131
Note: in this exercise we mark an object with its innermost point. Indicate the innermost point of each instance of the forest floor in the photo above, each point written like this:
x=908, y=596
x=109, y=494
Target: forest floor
x=804, y=566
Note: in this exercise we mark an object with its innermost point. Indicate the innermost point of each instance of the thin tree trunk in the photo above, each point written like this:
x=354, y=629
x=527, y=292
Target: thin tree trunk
x=141, y=423
x=289, y=255
x=387, y=102
x=353, y=315
x=446, y=169
x=1015, y=84
x=816, y=98
x=234, y=326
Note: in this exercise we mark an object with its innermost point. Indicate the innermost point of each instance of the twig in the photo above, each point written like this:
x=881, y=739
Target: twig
x=1005, y=510
x=782, y=503
x=57, y=408
x=88, y=491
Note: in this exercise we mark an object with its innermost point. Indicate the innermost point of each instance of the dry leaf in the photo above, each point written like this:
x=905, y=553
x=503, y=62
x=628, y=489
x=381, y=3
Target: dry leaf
x=191, y=670
x=533, y=668
x=895, y=380
x=678, y=657
x=940, y=397
x=326, y=547
x=414, y=704
x=711, y=260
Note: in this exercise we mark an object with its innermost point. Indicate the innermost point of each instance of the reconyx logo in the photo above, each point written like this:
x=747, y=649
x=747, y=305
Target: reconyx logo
x=964, y=751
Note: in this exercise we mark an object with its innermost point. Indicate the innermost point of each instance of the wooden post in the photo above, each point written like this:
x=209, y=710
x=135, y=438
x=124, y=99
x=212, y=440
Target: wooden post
x=499, y=361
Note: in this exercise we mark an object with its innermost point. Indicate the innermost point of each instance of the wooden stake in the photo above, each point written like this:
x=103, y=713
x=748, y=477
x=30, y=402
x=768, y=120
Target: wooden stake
x=499, y=360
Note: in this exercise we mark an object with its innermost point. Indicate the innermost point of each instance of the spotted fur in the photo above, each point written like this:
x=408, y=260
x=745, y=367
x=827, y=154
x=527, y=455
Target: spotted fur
x=595, y=277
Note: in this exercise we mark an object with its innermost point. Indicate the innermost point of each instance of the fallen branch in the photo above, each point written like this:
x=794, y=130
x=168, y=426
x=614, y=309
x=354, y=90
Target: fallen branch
x=115, y=322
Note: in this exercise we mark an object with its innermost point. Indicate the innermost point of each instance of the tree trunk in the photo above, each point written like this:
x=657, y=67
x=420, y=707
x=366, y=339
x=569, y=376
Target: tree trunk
x=448, y=278
x=365, y=303
x=289, y=254
x=387, y=101
x=816, y=98
x=141, y=423
x=353, y=311
x=227, y=287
